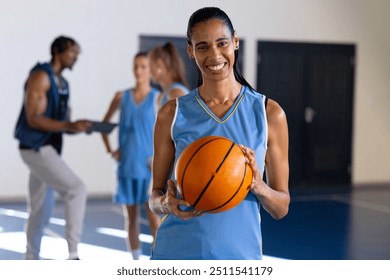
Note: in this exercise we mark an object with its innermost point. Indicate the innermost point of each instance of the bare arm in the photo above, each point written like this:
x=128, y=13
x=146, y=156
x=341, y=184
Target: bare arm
x=163, y=197
x=274, y=197
x=114, y=106
x=36, y=104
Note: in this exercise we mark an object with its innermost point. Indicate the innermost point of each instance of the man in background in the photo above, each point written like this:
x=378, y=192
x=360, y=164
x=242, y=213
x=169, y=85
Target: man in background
x=43, y=119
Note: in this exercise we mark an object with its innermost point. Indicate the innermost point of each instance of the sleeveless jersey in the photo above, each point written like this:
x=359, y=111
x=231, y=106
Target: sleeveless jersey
x=57, y=106
x=164, y=98
x=136, y=134
x=236, y=233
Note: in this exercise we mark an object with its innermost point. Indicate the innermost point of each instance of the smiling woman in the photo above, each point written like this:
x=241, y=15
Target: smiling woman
x=223, y=104
x=213, y=49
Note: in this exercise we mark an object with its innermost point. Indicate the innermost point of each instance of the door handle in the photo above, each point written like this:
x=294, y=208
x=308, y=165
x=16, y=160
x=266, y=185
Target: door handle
x=309, y=114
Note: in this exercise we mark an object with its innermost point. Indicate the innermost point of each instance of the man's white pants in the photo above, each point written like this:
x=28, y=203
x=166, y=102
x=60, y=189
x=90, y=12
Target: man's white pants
x=49, y=173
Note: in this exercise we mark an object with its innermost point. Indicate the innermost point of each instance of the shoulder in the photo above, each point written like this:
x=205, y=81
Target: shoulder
x=118, y=95
x=39, y=74
x=178, y=85
x=254, y=99
x=42, y=70
x=167, y=111
x=252, y=94
x=187, y=97
x=117, y=98
x=154, y=92
x=276, y=116
x=39, y=78
x=176, y=92
x=178, y=89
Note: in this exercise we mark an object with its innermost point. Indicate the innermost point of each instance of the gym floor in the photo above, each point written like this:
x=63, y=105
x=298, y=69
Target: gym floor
x=323, y=224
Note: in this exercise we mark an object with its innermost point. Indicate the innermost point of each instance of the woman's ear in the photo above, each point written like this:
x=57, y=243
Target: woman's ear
x=236, y=41
x=190, y=51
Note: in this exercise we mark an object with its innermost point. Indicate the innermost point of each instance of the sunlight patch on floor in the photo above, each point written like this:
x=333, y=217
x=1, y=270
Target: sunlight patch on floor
x=56, y=248
x=144, y=238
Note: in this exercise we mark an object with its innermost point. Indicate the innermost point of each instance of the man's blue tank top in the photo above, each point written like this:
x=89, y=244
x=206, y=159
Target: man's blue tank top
x=136, y=134
x=236, y=233
x=57, y=107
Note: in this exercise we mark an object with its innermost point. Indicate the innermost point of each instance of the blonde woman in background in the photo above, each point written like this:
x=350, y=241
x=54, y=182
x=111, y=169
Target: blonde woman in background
x=167, y=70
x=138, y=108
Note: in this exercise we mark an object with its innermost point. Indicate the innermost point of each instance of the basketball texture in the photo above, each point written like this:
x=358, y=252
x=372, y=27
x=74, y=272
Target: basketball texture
x=213, y=174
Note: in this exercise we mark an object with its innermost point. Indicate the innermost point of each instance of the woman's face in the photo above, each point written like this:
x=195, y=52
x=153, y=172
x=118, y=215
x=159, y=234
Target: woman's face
x=153, y=69
x=141, y=69
x=156, y=69
x=213, y=48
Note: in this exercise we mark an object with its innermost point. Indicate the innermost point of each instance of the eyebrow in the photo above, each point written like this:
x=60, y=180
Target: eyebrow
x=218, y=40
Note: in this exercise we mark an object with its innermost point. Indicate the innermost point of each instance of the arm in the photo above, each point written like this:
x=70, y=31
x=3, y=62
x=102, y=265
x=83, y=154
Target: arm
x=38, y=85
x=114, y=106
x=163, y=198
x=274, y=196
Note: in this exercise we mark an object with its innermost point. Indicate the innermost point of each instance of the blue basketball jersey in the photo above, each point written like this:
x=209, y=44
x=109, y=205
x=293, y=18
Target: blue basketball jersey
x=136, y=134
x=57, y=108
x=236, y=233
x=164, y=98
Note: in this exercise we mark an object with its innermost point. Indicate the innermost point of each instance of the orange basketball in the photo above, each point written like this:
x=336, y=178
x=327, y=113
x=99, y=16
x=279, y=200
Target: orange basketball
x=213, y=174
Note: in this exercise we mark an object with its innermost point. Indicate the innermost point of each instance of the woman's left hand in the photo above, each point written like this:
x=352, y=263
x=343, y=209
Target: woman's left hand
x=257, y=179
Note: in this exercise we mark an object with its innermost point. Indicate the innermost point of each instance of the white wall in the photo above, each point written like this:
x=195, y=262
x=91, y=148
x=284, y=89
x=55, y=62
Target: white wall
x=108, y=33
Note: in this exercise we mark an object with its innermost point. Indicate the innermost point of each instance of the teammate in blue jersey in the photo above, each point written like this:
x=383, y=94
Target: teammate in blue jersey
x=223, y=104
x=168, y=71
x=138, y=109
x=44, y=117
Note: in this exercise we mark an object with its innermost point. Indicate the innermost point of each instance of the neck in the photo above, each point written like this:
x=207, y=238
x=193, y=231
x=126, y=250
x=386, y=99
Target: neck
x=220, y=91
x=57, y=68
x=165, y=84
x=142, y=87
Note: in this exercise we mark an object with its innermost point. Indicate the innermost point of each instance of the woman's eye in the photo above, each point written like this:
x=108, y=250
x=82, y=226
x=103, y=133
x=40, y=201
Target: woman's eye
x=222, y=44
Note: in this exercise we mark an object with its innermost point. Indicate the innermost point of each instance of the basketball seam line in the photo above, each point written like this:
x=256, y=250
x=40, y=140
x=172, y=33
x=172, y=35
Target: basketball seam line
x=212, y=177
x=188, y=163
x=243, y=179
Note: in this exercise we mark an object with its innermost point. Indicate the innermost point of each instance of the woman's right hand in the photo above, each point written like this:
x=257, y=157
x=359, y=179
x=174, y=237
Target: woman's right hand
x=116, y=155
x=170, y=204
